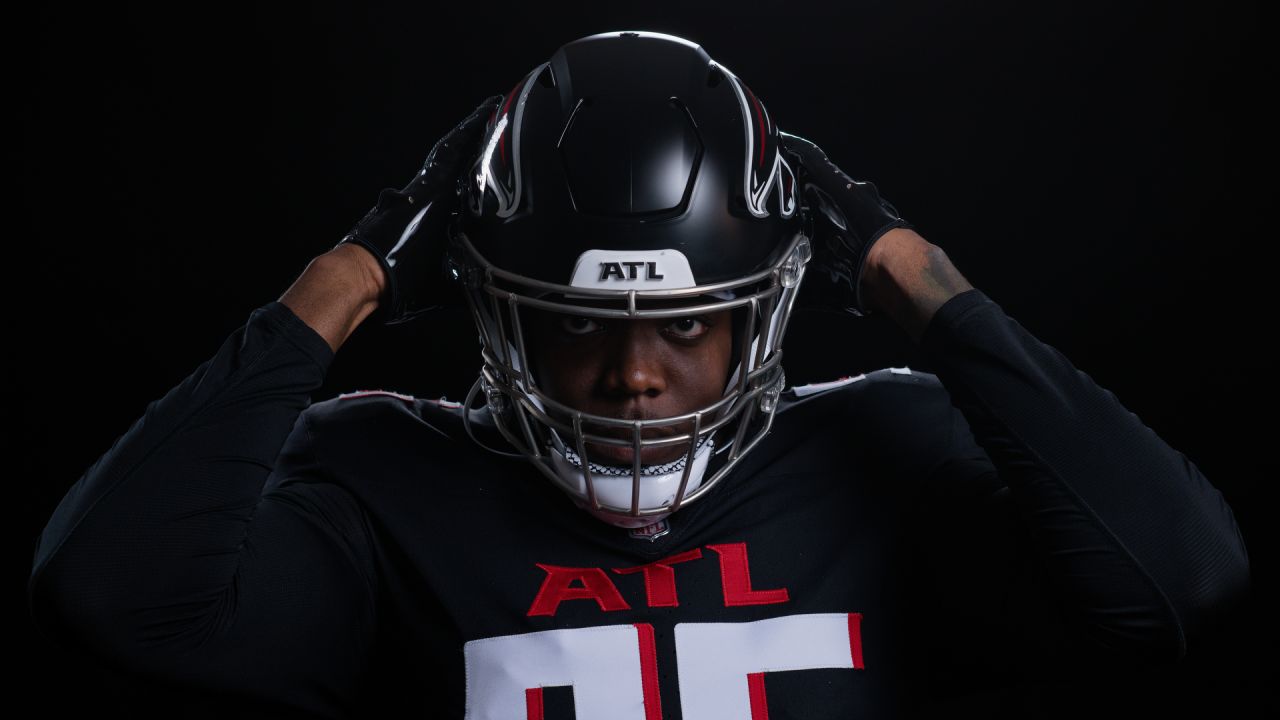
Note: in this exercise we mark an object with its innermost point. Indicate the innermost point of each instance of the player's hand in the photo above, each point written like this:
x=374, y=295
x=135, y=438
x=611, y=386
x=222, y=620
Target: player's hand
x=405, y=229
x=849, y=217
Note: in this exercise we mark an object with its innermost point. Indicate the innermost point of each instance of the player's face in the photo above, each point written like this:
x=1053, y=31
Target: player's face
x=634, y=370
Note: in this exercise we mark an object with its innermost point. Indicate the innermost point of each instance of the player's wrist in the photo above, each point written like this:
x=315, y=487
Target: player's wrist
x=359, y=269
x=908, y=278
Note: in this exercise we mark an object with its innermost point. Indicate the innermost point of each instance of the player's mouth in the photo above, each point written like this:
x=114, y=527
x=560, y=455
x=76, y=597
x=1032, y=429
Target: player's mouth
x=624, y=455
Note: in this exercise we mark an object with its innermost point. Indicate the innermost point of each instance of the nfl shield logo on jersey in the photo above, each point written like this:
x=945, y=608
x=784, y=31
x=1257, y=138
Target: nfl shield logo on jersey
x=651, y=532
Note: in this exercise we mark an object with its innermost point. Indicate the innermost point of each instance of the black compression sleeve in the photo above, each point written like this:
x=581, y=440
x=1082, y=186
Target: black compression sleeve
x=167, y=559
x=1138, y=545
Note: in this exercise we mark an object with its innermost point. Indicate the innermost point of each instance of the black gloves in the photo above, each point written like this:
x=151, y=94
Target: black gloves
x=849, y=217
x=405, y=231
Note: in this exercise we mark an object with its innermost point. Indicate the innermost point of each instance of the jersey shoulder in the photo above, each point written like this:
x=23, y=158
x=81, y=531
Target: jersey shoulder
x=885, y=386
x=375, y=417
x=382, y=437
x=901, y=415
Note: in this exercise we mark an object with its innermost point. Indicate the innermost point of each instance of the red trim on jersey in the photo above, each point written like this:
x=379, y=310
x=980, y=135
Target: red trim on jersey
x=660, y=578
x=735, y=576
x=533, y=703
x=855, y=639
x=649, y=672
x=759, y=704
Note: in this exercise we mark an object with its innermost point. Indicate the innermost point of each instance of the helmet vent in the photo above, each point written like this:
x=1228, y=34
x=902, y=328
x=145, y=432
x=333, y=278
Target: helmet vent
x=714, y=77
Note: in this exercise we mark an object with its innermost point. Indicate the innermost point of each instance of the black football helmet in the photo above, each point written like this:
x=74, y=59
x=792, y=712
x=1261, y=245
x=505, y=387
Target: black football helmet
x=630, y=176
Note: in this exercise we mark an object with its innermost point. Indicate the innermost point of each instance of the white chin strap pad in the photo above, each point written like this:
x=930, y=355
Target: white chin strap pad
x=656, y=489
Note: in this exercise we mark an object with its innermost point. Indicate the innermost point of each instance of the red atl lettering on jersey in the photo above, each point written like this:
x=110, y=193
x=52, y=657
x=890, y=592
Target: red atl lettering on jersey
x=735, y=576
x=557, y=587
x=660, y=578
x=659, y=583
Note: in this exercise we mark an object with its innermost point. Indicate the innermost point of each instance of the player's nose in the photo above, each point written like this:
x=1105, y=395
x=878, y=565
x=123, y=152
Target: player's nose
x=635, y=365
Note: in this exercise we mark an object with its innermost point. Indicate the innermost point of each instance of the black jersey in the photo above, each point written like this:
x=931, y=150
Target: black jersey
x=897, y=535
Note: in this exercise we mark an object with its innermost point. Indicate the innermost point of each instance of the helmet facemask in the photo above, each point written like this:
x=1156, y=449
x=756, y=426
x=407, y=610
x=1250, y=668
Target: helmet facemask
x=555, y=436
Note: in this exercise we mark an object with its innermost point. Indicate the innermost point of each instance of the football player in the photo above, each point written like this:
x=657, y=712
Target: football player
x=633, y=515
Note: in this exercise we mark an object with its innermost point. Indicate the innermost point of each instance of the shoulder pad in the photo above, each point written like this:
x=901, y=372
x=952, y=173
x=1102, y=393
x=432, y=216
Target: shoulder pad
x=366, y=393
x=815, y=388
x=443, y=402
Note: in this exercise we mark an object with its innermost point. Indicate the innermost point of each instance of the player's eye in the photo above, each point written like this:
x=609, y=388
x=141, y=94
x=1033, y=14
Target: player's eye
x=688, y=328
x=579, y=325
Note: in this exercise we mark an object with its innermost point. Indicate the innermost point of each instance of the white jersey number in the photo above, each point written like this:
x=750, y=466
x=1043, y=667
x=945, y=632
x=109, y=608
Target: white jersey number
x=613, y=668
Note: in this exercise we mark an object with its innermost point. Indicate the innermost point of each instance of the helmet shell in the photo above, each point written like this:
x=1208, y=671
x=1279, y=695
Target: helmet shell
x=630, y=141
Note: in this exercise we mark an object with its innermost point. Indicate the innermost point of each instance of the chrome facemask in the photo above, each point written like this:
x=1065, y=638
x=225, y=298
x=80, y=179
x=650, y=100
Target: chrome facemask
x=554, y=436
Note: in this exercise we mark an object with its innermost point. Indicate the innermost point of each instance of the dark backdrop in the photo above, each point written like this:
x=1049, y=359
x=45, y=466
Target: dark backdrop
x=1087, y=165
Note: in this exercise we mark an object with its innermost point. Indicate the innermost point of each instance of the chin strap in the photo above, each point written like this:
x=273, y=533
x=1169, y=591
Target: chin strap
x=658, y=488
x=676, y=465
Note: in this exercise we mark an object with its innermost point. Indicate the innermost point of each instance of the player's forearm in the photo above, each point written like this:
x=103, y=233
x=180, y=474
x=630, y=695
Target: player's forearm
x=1143, y=546
x=336, y=292
x=150, y=535
x=909, y=278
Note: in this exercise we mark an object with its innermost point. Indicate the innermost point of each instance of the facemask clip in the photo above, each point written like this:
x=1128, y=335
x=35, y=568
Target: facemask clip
x=495, y=398
x=769, y=398
x=793, y=268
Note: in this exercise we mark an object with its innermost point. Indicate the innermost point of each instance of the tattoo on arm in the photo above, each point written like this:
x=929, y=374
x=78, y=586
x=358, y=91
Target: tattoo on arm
x=914, y=279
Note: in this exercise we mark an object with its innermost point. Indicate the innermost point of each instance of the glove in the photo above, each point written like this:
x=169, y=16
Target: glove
x=849, y=217
x=405, y=229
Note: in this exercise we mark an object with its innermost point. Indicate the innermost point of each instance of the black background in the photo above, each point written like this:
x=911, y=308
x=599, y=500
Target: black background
x=1096, y=168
